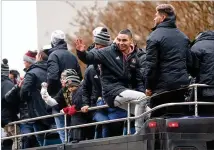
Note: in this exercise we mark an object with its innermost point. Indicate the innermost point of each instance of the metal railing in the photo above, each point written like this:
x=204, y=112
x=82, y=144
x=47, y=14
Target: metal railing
x=128, y=118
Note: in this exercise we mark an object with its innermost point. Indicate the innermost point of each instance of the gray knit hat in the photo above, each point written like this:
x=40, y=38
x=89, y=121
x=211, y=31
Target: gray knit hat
x=102, y=38
x=4, y=67
x=57, y=36
x=72, y=78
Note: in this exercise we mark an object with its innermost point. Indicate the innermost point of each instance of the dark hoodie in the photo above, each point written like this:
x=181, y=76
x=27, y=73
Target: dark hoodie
x=59, y=60
x=30, y=90
x=167, y=57
x=203, y=48
x=8, y=111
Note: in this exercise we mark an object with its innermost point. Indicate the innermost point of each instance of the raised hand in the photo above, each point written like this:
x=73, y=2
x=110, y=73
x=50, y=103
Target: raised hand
x=80, y=46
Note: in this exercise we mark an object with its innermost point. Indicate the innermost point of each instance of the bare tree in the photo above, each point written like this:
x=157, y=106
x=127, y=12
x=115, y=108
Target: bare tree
x=192, y=18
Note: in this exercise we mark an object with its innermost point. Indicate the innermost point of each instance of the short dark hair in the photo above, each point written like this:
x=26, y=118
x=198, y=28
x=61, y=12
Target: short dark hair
x=127, y=32
x=166, y=8
x=43, y=55
x=15, y=73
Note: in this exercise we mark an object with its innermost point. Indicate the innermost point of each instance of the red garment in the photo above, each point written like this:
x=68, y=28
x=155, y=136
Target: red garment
x=70, y=110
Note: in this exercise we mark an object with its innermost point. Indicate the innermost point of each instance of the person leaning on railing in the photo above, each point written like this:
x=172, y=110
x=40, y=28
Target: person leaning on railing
x=69, y=101
x=121, y=73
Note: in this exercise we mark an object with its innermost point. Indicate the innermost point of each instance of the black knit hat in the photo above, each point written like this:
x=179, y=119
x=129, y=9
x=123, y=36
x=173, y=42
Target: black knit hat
x=102, y=38
x=4, y=67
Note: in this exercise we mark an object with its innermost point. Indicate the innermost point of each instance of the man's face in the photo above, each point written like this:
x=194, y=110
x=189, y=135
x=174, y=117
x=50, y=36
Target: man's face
x=98, y=46
x=159, y=18
x=11, y=76
x=27, y=64
x=124, y=42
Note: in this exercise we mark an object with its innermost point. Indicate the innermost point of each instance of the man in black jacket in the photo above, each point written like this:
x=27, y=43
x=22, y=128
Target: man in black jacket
x=120, y=73
x=8, y=110
x=9, y=106
x=59, y=60
x=167, y=55
x=30, y=93
x=203, y=48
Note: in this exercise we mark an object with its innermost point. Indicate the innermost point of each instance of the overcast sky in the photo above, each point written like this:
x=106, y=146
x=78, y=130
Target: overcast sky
x=19, y=31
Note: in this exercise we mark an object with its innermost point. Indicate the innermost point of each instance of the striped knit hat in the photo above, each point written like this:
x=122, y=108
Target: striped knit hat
x=4, y=67
x=102, y=37
x=30, y=57
x=72, y=78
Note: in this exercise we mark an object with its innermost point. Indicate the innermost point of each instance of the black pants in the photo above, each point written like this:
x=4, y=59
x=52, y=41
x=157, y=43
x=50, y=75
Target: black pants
x=85, y=132
x=170, y=97
x=206, y=110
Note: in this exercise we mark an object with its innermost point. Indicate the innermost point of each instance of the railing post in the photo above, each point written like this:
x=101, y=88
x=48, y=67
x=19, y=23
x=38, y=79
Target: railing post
x=66, y=135
x=16, y=139
x=196, y=100
x=128, y=120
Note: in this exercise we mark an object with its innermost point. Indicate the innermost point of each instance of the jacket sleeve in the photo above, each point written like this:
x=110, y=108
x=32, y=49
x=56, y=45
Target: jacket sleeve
x=53, y=75
x=92, y=57
x=59, y=96
x=53, y=67
x=86, y=88
x=196, y=56
x=27, y=86
x=151, y=63
x=140, y=73
x=12, y=96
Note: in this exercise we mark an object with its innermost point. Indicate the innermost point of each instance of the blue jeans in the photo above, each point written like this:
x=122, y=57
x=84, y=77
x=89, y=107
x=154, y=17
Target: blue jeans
x=60, y=123
x=116, y=113
x=102, y=116
x=29, y=128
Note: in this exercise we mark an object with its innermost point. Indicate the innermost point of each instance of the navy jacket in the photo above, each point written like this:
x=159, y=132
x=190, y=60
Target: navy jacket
x=8, y=109
x=168, y=57
x=117, y=74
x=59, y=60
x=203, y=48
x=30, y=90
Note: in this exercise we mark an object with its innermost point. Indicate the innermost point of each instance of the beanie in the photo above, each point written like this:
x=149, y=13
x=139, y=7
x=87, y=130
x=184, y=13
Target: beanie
x=72, y=78
x=57, y=36
x=102, y=38
x=4, y=67
x=30, y=57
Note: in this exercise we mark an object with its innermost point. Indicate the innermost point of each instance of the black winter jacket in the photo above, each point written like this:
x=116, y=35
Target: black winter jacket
x=30, y=90
x=59, y=60
x=64, y=98
x=8, y=109
x=117, y=74
x=91, y=86
x=203, y=48
x=167, y=57
x=14, y=96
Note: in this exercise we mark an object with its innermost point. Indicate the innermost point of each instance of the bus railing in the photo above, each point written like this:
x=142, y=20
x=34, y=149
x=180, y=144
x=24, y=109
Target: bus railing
x=128, y=118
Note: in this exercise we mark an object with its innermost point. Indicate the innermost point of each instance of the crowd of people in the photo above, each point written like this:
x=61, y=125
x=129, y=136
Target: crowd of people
x=117, y=72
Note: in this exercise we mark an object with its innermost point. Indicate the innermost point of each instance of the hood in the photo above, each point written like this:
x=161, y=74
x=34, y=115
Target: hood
x=206, y=35
x=60, y=46
x=169, y=22
x=3, y=78
x=42, y=64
